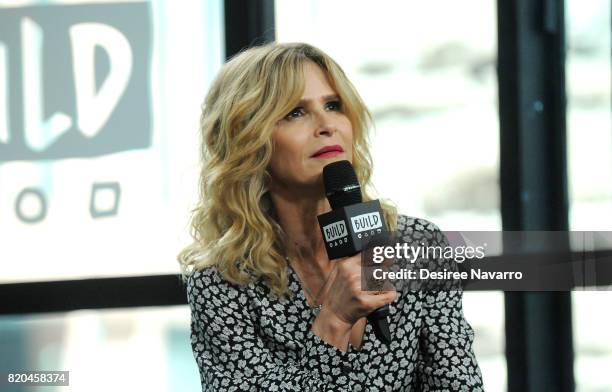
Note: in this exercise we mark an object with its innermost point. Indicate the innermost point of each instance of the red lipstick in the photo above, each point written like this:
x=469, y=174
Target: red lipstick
x=328, y=151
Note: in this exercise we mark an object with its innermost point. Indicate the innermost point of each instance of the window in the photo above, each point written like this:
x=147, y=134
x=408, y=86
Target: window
x=120, y=349
x=590, y=175
x=429, y=79
x=98, y=168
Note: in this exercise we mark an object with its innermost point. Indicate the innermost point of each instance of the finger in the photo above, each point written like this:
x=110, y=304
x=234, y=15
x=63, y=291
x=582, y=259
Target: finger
x=382, y=290
x=376, y=301
x=345, y=262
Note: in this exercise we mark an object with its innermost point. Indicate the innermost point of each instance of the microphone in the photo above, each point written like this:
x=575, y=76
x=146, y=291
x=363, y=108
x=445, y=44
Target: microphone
x=351, y=225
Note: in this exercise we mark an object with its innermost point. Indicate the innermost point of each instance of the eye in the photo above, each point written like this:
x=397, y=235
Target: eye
x=295, y=113
x=335, y=105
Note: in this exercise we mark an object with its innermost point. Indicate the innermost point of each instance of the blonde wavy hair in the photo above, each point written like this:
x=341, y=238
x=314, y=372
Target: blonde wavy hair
x=233, y=226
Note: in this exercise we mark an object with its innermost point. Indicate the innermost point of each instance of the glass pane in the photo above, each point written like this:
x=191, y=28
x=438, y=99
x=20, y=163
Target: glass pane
x=99, y=109
x=590, y=176
x=426, y=70
x=140, y=349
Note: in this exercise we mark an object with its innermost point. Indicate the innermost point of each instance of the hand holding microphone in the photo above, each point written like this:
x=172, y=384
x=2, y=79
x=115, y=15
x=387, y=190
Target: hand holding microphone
x=348, y=301
x=347, y=230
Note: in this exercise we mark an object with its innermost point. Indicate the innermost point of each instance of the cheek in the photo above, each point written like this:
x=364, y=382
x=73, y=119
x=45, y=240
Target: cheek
x=347, y=135
x=286, y=148
x=287, y=155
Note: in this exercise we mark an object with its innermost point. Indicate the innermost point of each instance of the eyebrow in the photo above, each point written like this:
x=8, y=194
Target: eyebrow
x=330, y=97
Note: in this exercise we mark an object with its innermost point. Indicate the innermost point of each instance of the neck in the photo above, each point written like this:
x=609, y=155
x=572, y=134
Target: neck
x=297, y=214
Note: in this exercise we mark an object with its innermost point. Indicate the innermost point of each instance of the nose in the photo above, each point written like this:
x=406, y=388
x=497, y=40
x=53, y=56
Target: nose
x=324, y=123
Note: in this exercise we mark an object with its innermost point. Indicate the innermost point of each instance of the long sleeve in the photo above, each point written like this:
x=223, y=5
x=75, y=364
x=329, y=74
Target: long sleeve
x=245, y=339
x=447, y=360
x=446, y=357
x=233, y=356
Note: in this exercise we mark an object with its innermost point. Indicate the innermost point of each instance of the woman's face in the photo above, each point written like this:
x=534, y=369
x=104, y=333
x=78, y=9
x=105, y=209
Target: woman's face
x=316, y=132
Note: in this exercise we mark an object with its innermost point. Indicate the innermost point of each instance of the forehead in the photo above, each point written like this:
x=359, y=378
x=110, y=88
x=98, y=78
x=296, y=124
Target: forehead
x=316, y=82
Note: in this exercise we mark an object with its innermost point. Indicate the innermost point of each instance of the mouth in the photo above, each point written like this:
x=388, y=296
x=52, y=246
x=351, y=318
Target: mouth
x=328, y=151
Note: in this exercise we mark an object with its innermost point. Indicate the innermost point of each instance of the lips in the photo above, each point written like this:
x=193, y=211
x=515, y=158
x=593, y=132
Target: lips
x=328, y=151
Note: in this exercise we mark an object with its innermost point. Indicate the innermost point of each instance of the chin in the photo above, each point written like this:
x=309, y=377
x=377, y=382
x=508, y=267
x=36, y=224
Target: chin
x=335, y=158
x=341, y=157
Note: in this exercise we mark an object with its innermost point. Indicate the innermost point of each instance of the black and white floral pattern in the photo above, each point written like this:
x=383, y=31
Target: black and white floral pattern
x=245, y=339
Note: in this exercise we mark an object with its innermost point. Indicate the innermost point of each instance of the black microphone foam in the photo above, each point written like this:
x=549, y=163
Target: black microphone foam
x=341, y=184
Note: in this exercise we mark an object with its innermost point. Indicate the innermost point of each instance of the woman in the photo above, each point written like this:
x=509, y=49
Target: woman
x=257, y=273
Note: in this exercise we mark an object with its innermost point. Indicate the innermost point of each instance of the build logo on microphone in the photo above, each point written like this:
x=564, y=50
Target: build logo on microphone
x=74, y=80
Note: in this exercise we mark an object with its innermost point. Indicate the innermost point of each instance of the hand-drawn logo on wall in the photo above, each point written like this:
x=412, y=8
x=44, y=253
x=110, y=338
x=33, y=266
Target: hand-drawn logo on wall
x=74, y=83
x=74, y=80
